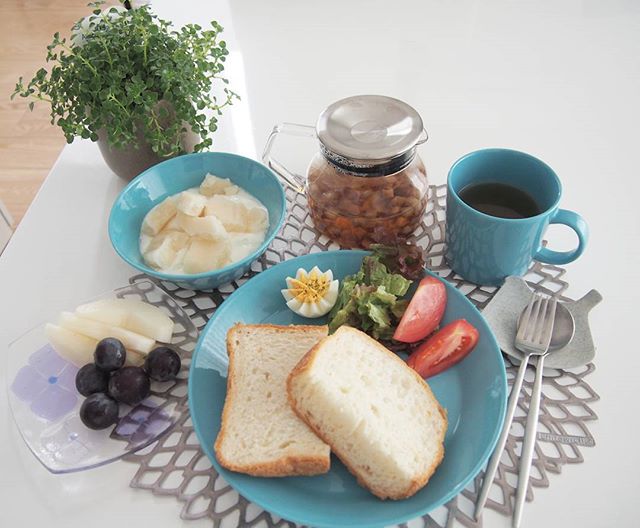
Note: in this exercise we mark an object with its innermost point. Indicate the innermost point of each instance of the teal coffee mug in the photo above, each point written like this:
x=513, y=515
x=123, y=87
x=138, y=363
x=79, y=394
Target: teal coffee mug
x=499, y=204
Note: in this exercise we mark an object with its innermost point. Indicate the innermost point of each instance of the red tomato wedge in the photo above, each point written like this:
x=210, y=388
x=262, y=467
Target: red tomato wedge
x=445, y=348
x=424, y=312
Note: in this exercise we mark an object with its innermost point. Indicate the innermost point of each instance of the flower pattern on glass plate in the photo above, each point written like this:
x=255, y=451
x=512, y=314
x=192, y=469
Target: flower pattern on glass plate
x=47, y=384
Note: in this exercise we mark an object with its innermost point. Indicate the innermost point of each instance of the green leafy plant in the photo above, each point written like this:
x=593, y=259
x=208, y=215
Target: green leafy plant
x=118, y=67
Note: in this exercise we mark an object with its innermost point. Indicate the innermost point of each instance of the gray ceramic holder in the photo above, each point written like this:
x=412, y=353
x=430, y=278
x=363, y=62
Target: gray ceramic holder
x=513, y=297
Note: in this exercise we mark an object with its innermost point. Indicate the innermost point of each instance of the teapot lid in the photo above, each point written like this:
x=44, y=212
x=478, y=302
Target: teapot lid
x=369, y=129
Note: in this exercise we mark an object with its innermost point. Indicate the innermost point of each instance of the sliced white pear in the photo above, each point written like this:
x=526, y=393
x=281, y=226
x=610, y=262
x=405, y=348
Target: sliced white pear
x=145, y=242
x=158, y=217
x=173, y=224
x=206, y=255
x=191, y=203
x=134, y=359
x=257, y=218
x=230, y=210
x=239, y=212
x=214, y=185
x=131, y=314
x=165, y=249
x=97, y=330
x=204, y=227
x=75, y=348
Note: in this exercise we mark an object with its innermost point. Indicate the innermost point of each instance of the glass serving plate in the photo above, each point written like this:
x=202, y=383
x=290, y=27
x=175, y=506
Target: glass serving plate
x=45, y=403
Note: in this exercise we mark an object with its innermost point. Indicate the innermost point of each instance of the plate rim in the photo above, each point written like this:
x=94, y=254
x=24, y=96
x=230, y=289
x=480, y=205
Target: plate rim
x=352, y=523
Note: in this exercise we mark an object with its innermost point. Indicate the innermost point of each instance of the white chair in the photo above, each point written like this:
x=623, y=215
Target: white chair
x=5, y=226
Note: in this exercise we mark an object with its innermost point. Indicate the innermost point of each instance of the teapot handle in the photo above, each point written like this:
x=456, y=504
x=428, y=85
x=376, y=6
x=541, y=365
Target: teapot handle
x=293, y=180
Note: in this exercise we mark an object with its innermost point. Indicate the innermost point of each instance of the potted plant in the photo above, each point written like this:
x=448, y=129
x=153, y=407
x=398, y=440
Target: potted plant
x=141, y=89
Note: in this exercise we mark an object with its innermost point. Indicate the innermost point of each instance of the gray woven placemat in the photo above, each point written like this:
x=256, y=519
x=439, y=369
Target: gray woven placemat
x=175, y=465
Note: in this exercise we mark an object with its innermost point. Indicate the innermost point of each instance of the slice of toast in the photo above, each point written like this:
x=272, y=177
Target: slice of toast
x=377, y=414
x=260, y=434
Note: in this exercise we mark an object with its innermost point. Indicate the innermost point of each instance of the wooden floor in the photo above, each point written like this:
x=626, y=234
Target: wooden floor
x=29, y=144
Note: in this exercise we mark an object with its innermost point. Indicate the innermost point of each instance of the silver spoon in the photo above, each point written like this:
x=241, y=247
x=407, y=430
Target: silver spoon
x=564, y=328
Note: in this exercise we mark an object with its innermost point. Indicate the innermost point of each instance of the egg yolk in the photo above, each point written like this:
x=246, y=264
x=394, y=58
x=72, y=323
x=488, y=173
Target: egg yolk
x=311, y=288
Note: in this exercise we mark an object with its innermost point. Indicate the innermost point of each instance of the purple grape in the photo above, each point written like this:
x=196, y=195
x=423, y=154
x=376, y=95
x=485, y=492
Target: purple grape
x=129, y=385
x=91, y=380
x=162, y=364
x=99, y=411
x=110, y=354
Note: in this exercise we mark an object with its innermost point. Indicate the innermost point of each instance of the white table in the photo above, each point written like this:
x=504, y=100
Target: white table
x=558, y=80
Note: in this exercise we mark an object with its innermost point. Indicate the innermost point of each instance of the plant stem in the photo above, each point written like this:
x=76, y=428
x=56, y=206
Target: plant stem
x=115, y=100
x=106, y=49
x=220, y=106
x=106, y=20
x=90, y=66
x=146, y=44
x=40, y=98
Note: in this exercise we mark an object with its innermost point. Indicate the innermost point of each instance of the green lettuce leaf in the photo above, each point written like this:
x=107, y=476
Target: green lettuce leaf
x=396, y=284
x=374, y=271
x=379, y=315
x=382, y=296
x=399, y=308
x=371, y=299
x=346, y=315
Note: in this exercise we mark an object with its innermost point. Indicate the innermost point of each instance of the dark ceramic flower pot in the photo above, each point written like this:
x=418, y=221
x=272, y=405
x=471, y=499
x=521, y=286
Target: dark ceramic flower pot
x=130, y=161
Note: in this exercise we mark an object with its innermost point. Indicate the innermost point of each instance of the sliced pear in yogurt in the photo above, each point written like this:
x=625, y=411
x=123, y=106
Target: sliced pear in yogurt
x=205, y=254
x=165, y=249
x=311, y=294
x=203, y=228
x=159, y=216
x=191, y=203
x=215, y=185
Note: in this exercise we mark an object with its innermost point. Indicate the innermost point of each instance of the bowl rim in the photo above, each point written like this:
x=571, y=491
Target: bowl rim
x=207, y=274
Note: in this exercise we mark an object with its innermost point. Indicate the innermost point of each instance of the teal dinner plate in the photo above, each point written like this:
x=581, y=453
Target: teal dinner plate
x=474, y=393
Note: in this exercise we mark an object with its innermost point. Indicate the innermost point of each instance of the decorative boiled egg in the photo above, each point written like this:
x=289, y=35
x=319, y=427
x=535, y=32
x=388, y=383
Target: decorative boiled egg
x=311, y=294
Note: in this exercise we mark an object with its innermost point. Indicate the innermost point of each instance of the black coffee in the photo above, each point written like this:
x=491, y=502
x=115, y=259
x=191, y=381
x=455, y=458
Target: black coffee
x=499, y=199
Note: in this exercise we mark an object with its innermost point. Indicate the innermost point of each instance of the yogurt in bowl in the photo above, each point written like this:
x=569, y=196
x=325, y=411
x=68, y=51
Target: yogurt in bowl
x=251, y=222
x=203, y=228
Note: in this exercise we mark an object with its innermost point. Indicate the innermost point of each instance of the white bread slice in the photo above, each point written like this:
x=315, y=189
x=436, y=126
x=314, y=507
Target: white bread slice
x=377, y=414
x=260, y=434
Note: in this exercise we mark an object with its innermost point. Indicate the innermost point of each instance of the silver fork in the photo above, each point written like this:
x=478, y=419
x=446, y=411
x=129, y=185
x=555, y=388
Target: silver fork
x=532, y=338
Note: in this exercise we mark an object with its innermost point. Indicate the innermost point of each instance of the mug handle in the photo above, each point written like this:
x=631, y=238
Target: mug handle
x=293, y=180
x=575, y=222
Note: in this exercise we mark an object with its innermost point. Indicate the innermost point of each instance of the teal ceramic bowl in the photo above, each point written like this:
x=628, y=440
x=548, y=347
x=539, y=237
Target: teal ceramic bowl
x=176, y=175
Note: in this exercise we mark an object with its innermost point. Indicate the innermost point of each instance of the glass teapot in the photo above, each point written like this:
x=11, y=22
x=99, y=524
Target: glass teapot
x=366, y=184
